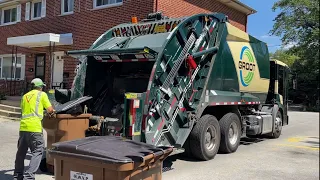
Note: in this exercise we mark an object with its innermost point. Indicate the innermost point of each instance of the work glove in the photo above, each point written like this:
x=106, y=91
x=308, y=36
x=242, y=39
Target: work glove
x=51, y=115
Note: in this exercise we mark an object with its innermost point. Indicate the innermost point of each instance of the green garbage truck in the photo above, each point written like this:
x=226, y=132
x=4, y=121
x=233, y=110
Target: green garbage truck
x=196, y=83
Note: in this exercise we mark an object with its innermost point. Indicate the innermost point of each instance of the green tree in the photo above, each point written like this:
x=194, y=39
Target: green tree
x=298, y=23
x=285, y=56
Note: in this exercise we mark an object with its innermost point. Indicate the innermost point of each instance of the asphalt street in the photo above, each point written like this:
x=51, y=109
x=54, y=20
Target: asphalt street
x=295, y=155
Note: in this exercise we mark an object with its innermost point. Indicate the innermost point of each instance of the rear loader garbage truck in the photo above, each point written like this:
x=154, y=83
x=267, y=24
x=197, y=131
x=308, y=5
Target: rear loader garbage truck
x=197, y=84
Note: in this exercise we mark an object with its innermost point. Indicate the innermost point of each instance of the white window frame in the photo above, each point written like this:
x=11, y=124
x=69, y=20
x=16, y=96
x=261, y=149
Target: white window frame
x=62, y=8
x=2, y=15
x=23, y=66
x=106, y=5
x=32, y=10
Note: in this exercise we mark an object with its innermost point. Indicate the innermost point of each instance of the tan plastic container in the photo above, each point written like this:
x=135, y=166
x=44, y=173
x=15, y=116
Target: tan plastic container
x=64, y=127
x=67, y=167
x=108, y=158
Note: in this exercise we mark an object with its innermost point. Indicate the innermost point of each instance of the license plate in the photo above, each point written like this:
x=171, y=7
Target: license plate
x=80, y=176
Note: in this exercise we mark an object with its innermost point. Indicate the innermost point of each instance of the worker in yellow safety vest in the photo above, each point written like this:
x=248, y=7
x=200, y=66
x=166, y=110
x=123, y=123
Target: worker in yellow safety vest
x=30, y=136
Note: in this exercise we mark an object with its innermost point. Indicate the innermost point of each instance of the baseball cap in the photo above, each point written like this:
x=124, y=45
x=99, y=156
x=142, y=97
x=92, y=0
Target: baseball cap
x=37, y=82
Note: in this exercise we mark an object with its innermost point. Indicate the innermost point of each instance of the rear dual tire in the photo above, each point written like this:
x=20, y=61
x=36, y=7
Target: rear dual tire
x=205, y=138
x=210, y=136
x=230, y=133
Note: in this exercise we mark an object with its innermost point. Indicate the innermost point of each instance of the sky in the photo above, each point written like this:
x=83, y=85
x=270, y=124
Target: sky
x=260, y=23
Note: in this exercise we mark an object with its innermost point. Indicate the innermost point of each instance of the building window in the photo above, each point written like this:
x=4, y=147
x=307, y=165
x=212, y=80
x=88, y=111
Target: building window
x=67, y=6
x=12, y=69
x=36, y=10
x=106, y=3
x=10, y=15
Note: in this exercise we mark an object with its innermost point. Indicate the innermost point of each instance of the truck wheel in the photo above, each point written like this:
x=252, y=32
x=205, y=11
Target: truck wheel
x=205, y=138
x=277, y=126
x=230, y=133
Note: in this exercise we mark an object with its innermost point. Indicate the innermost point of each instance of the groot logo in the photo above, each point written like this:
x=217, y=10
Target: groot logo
x=247, y=66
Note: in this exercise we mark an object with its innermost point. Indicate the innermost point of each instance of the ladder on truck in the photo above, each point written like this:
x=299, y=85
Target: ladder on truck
x=180, y=79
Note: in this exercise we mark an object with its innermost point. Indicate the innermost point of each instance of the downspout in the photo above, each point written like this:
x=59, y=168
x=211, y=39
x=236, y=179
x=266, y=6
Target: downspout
x=156, y=8
x=11, y=77
x=15, y=70
x=51, y=54
x=51, y=64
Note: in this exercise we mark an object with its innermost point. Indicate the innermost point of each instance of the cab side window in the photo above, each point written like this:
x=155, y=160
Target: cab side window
x=280, y=79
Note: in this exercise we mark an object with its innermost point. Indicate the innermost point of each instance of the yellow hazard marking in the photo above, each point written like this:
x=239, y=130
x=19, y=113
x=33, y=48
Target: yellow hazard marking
x=137, y=133
x=295, y=139
x=300, y=138
x=301, y=147
x=146, y=50
x=160, y=29
x=131, y=95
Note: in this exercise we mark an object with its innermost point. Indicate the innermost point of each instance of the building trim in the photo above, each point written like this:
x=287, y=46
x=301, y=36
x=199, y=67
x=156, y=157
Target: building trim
x=237, y=5
x=95, y=7
x=41, y=40
x=5, y=3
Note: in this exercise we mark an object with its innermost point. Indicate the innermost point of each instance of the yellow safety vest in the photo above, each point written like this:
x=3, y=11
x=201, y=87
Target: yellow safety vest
x=32, y=105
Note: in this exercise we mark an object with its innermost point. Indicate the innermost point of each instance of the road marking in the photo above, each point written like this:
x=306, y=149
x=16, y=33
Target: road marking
x=301, y=147
x=296, y=139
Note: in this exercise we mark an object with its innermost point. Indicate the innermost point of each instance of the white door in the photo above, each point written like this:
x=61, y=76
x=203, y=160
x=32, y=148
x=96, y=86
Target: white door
x=58, y=68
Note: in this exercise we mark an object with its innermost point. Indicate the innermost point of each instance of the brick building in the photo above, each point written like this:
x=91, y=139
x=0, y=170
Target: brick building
x=35, y=34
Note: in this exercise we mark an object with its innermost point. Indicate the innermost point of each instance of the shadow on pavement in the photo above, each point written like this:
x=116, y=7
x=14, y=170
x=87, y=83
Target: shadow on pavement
x=315, y=138
x=6, y=174
x=312, y=144
x=249, y=141
x=168, y=163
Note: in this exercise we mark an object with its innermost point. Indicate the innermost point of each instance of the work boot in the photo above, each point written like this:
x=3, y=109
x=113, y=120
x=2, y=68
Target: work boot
x=17, y=177
x=29, y=176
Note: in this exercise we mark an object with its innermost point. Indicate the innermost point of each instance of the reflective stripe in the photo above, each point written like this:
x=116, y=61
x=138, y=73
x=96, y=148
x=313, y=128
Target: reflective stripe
x=38, y=102
x=36, y=114
x=31, y=115
x=28, y=115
